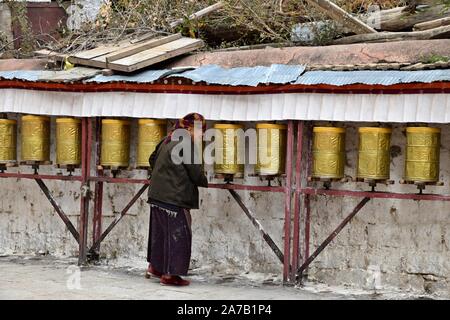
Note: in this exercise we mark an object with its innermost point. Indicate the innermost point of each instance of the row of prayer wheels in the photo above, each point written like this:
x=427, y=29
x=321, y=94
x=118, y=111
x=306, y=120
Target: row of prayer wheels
x=271, y=149
x=35, y=140
x=115, y=143
x=116, y=148
x=421, y=161
x=421, y=164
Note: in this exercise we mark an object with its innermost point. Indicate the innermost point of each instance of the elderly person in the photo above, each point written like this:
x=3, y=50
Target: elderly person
x=173, y=192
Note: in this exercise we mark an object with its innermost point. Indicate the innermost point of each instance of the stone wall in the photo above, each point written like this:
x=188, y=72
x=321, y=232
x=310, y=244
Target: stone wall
x=6, y=35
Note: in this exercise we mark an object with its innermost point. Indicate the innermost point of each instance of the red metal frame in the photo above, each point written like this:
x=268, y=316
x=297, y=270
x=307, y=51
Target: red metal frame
x=258, y=225
x=301, y=214
x=330, y=238
x=303, y=165
x=298, y=180
x=79, y=235
x=100, y=179
x=288, y=202
x=86, y=150
x=98, y=198
x=59, y=210
x=96, y=245
x=294, y=253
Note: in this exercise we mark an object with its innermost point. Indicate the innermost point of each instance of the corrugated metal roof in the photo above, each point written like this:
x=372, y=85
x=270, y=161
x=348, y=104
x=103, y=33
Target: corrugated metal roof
x=147, y=76
x=245, y=76
x=342, y=78
x=213, y=74
x=73, y=75
x=29, y=75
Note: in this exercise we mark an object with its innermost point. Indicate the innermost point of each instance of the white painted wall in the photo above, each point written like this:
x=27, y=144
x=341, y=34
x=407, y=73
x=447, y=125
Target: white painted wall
x=389, y=244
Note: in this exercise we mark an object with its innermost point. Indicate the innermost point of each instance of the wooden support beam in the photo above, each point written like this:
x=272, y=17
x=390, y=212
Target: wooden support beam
x=51, y=54
x=435, y=33
x=432, y=24
x=400, y=18
x=341, y=16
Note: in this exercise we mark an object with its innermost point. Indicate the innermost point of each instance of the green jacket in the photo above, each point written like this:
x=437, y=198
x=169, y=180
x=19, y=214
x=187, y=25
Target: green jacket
x=175, y=184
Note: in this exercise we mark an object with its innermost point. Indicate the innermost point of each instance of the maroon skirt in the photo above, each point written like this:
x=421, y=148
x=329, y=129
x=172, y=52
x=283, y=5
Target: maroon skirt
x=170, y=239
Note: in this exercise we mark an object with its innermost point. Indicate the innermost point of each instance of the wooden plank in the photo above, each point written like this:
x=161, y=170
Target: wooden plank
x=396, y=36
x=88, y=63
x=144, y=37
x=155, y=60
x=94, y=53
x=152, y=56
x=339, y=15
x=133, y=49
x=92, y=57
x=51, y=54
x=199, y=14
x=101, y=56
x=183, y=42
x=432, y=24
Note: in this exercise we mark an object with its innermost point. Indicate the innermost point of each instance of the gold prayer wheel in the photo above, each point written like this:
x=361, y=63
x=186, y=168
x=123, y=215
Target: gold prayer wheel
x=150, y=133
x=228, y=150
x=35, y=138
x=8, y=140
x=68, y=141
x=328, y=152
x=271, y=149
x=422, y=154
x=115, y=150
x=374, y=153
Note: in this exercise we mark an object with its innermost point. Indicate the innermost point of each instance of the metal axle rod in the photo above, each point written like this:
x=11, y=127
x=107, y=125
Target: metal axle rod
x=59, y=210
x=258, y=225
x=118, y=218
x=329, y=239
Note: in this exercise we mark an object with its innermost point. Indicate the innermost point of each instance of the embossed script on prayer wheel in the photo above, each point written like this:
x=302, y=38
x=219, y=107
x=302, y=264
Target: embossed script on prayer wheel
x=422, y=154
x=226, y=159
x=115, y=150
x=150, y=133
x=68, y=141
x=35, y=138
x=271, y=149
x=328, y=152
x=374, y=153
x=8, y=140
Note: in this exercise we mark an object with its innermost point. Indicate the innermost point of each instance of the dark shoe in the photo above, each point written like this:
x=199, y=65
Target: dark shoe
x=174, y=281
x=151, y=272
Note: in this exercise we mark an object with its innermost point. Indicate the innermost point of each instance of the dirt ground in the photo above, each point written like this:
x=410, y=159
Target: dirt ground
x=49, y=278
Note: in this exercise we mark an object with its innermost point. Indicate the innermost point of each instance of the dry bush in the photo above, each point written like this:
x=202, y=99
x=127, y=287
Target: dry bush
x=240, y=22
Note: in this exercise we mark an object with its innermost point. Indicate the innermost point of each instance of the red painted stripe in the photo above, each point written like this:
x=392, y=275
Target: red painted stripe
x=190, y=88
